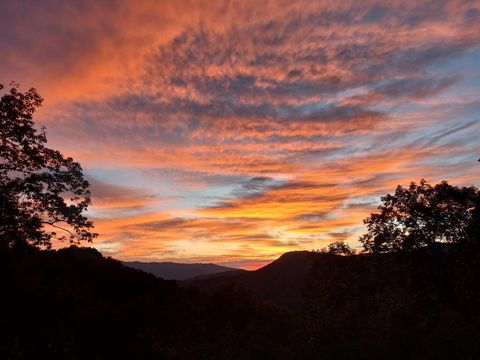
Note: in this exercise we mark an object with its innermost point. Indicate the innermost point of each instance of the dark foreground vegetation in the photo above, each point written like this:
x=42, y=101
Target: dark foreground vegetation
x=76, y=304
x=417, y=305
x=412, y=294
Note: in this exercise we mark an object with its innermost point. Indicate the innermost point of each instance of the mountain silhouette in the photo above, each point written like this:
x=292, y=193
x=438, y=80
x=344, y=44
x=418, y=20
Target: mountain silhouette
x=424, y=304
x=179, y=271
x=281, y=282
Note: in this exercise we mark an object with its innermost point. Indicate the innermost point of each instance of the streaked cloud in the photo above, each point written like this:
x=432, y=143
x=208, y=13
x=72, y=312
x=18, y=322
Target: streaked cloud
x=235, y=131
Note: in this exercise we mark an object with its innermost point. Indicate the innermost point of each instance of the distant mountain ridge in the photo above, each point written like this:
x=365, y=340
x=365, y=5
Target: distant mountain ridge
x=180, y=271
x=281, y=282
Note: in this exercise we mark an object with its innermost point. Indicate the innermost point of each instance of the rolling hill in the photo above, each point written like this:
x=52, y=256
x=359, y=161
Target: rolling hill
x=179, y=271
x=281, y=282
x=424, y=304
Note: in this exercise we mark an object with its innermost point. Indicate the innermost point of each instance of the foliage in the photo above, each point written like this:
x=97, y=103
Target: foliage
x=422, y=216
x=41, y=191
x=339, y=248
x=399, y=305
x=75, y=304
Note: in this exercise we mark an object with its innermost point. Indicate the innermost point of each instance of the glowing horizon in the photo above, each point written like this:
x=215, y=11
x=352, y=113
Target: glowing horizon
x=232, y=132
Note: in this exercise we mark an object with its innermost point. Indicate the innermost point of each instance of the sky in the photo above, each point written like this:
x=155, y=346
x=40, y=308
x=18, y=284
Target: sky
x=235, y=131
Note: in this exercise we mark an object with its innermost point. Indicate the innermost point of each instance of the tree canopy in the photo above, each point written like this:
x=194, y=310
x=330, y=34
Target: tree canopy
x=43, y=195
x=338, y=248
x=423, y=215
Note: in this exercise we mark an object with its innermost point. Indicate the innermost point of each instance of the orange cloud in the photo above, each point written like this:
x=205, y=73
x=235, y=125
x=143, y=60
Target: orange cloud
x=233, y=131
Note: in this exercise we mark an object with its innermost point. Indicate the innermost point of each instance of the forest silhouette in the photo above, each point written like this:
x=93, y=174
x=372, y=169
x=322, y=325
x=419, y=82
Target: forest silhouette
x=411, y=293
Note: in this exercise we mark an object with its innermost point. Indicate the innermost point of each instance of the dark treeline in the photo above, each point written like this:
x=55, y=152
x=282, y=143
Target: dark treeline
x=76, y=304
x=413, y=293
x=422, y=304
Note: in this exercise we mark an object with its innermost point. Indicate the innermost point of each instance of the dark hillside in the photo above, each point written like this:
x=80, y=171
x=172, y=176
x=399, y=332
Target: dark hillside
x=422, y=304
x=282, y=282
x=414, y=305
x=76, y=304
x=178, y=271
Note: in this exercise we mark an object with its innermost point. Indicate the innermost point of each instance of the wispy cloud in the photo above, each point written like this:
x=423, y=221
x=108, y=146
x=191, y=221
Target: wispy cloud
x=240, y=130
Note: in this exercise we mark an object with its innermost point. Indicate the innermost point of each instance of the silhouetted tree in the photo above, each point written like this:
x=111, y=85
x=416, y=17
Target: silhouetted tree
x=339, y=248
x=423, y=215
x=41, y=192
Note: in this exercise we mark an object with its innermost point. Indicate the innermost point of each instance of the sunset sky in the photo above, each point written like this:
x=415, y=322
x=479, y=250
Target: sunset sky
x=235, y=131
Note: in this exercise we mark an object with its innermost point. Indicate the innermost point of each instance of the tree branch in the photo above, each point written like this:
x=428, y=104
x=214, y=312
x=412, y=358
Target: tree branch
x=59, y=227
